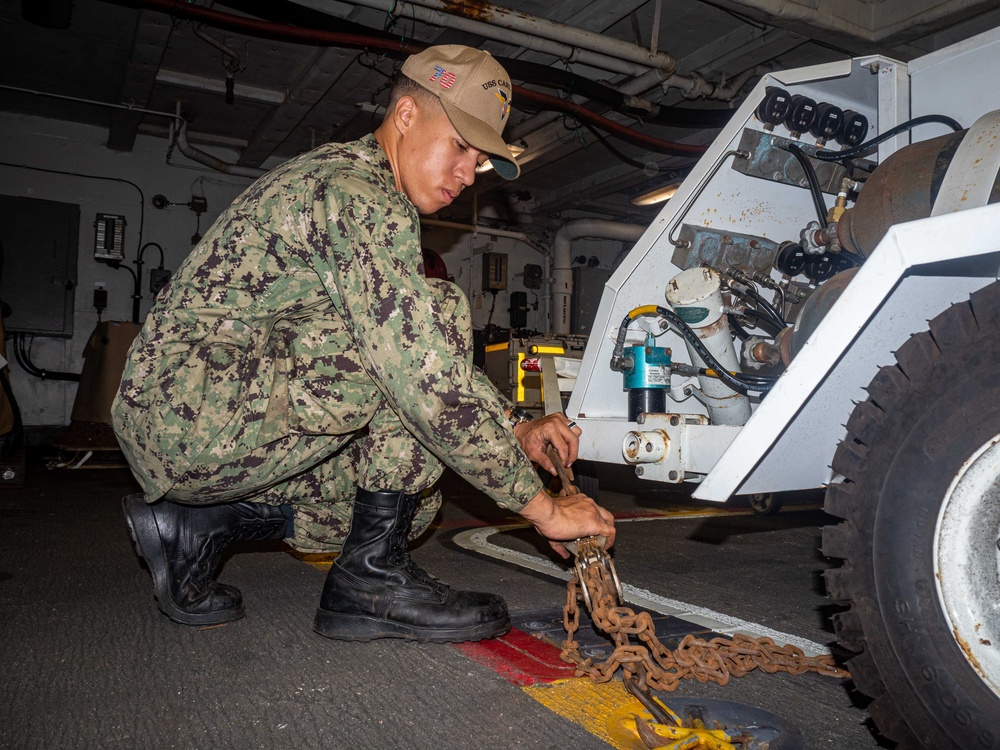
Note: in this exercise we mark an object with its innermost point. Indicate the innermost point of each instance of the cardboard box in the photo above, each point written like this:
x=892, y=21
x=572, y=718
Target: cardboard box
x=103, y=365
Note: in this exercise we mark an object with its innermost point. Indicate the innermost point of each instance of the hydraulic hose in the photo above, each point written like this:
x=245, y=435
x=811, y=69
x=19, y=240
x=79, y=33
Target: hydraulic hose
x=814, y=187
x=850, y=153
x=736, y=382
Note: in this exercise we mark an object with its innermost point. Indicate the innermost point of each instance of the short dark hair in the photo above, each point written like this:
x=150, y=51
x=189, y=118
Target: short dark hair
x=401, y=86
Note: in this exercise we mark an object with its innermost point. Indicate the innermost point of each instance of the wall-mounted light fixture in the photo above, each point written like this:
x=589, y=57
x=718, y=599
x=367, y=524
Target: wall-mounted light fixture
x=659, y=195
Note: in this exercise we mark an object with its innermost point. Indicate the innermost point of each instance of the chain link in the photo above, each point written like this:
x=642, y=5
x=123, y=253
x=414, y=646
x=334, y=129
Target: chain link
x=640, y=654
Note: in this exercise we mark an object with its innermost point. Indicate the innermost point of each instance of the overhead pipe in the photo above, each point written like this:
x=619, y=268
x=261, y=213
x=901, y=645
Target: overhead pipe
x=562, y=259
x=638, y=85
x=585, y=42
x=589, y=41
x=82, y=100
x=211, y=161
x=269, y=30
x=481, y=28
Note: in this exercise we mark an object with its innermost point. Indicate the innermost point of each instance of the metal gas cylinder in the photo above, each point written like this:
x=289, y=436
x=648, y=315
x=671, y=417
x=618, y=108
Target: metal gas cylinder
x=696, y=297
x=906, y=185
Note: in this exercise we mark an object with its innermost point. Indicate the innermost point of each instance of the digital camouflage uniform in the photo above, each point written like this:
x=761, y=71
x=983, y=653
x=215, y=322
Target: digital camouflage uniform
x=299, y=352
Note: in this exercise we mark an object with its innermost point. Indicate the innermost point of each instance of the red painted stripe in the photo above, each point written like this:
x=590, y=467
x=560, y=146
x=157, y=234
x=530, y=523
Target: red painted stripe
x=519, y=658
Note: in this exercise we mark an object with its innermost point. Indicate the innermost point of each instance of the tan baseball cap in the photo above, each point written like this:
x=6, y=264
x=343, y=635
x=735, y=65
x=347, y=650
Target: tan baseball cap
x=475, y=92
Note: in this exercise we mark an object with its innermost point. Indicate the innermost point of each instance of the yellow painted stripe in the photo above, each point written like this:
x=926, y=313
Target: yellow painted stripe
x=520, y=379
x=319, y=560
x=498, y=347
x=589, y=705
x=542, y=349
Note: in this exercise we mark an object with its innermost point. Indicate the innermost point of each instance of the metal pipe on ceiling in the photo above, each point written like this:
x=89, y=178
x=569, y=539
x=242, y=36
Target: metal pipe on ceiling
x=534, y=26
x=82, y=100
x=538, y=44
x=638, y=85
x=211, y=161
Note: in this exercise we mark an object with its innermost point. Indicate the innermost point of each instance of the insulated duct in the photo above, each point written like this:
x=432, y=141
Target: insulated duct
x=562, y=259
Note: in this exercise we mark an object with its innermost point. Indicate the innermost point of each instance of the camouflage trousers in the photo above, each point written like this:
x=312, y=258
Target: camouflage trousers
x=318, y=475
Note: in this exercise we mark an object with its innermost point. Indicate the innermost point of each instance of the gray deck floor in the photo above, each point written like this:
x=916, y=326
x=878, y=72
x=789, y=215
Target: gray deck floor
x=88, y=661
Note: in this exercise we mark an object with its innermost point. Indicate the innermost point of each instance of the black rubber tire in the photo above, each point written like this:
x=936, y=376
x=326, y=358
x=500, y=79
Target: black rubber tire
x=924, y=417
x=585, y=478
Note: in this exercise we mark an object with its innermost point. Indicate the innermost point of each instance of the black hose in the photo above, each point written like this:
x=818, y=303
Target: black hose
x=761, y=306
x=850, y=153
x=761, y=380
x=143, y=249
x=814, y=188
x=682, y=328
x=24, y=360
x=762, y=321
x=739, y=330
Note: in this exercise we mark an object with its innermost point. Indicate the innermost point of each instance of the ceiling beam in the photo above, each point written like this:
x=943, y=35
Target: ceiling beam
x=321, y=72
x=865, y=25
x=152, y=33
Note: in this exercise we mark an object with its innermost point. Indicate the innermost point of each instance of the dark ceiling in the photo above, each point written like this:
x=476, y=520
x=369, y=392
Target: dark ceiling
x=306, y=72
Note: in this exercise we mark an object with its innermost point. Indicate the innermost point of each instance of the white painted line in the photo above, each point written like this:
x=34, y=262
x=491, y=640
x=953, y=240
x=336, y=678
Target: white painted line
x=477, y=540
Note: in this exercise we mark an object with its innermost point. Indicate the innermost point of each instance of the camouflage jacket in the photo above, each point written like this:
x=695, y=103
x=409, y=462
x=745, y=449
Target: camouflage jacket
x=301, y=309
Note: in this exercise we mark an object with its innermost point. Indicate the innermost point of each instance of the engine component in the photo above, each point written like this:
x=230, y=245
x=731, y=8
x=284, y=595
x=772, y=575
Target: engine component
x=770, y=160
x=701, y=246
x=645, y=447
x=696, y=297
x=791, y=340
x=647, y=378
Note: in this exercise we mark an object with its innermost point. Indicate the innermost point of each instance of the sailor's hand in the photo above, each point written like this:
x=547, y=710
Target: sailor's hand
x=555, y=429
x=563, y=519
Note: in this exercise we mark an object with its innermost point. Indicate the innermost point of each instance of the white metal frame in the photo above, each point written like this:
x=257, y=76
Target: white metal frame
x=918, y=270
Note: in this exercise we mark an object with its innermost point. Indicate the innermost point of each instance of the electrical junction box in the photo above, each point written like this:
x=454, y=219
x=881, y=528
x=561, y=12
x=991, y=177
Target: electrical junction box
x=158, y=278
x=494, y=272
x=40, y=246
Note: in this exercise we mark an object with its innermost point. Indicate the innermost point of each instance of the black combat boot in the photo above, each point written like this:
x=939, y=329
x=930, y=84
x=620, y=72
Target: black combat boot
x=182, y=545
x=374, y=589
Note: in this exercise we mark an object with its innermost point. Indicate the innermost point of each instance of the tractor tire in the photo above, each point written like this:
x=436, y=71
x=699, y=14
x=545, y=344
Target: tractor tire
x=920, y=503
x=585, y=478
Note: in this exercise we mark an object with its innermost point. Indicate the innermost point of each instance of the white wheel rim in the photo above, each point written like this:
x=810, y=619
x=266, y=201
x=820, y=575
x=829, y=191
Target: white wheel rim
x=967, y=561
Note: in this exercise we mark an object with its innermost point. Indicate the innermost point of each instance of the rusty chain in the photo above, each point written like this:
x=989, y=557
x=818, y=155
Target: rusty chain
x=641, y=656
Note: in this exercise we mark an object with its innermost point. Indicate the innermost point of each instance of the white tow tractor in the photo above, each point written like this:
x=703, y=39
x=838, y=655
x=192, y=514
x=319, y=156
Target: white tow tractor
x=818, y=306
